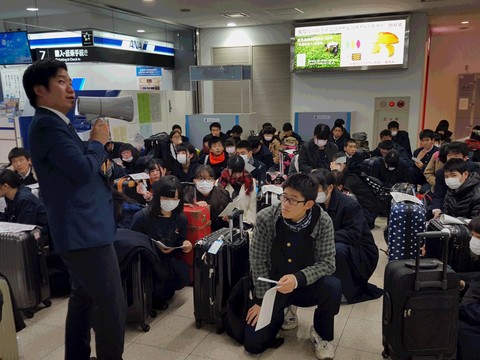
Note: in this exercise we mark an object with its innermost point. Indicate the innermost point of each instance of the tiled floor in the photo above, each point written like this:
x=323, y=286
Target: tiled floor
x=173, y=335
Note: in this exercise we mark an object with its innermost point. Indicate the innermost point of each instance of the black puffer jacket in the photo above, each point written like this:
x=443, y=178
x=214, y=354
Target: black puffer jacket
x=465, y=201
x=311, y=157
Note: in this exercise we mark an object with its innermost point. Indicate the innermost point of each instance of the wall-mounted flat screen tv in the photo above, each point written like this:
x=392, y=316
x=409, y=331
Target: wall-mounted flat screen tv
x=14, y=48
x=359, y=44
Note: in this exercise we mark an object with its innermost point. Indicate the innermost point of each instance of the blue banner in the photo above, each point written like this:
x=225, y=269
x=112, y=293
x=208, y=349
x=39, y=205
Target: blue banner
x=149, y=71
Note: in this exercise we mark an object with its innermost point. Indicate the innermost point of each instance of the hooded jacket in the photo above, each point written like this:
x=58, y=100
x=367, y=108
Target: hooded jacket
x=464, y=201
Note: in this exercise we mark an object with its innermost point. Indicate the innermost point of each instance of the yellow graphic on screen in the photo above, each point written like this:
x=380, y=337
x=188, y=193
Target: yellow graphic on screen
x=387, y=39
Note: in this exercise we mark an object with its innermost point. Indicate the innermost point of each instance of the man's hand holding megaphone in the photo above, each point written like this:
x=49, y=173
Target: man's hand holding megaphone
x=100, y=131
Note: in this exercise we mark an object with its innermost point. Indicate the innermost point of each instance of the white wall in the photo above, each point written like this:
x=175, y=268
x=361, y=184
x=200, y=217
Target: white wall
x=337, y=91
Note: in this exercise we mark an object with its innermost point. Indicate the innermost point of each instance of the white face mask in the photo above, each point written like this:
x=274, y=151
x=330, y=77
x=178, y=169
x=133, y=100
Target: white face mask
x=320, y=142
x=182, y=158
x=268, y=138
x=204, y=186
x=321, y=197
x=453, y=183
x=394, y=133
x=245, y=158
x=129, y=159
x=475, y=245
x=391, y=168
x=230, y=149
x=169, y=205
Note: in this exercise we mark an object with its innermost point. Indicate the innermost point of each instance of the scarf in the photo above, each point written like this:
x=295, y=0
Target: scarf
x=300, y=225
x=472, y=144
x=246, y=179
x=215, y=160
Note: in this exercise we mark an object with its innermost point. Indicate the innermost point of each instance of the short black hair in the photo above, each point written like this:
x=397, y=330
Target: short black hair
x=176, y=126
x=321, y=131
x=166, y=187
x=230, y=142
x=339, y=122
x=386, y=145
x=457, y=147
x=392, y=159
x=236, y=164
x=215, y=124
x=338, y=126
x=255, y=141
x=385, y=132
x=17, y=152
x=10, y=178
x=338, y=155
x=206, y=138
x=453, y=165
x=426, y=133
x=287, y=127
x=155, y=164
x=264, y=125
x=304, y=184
x=173, y=132
x=181, y=147
x=350, y=141
x=244, y=144
x=237, y=129
x=320, y=175
x=474, y=224
x=213, y=140
x=40, y=73
x=393, y=125
x=475, y=134
x=336, y=178
x=270, y=130
x=204, y=169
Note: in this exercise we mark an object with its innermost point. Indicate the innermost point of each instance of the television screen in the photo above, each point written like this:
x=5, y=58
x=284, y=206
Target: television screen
x=351, y=45
x=14, y=48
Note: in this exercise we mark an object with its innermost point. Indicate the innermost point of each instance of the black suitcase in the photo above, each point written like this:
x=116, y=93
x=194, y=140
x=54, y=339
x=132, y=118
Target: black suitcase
x=460, y=258
x=217, y=272
x=137, y=285
x=23, y=261
x=420, y=306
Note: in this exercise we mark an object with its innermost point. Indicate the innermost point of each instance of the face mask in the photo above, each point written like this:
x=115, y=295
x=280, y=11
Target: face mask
x=475, y=245
x=268, y=138
x=182, y=158
x=169, y=205
x=204, y=186
x=130, y=159
x=245, y=158
x=453, y=183
x=320, y=142
x=230, y=149
x=391, y=168
x=394, y=133
x=321, y=197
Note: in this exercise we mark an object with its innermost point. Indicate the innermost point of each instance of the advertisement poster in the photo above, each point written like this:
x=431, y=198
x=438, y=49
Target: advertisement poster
x=149, y=77
x=377, y=43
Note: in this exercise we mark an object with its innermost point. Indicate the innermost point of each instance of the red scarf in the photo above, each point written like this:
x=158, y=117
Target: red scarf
x=472, y=144
x=215, y=160
x=246, y=179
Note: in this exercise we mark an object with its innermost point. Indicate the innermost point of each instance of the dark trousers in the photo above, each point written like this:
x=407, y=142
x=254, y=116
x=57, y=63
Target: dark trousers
x=97, y=301
x=325, y=293
x=345, y=272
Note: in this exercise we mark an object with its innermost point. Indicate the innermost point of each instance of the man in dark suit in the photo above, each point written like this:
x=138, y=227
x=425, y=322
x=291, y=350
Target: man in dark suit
x=80, y=214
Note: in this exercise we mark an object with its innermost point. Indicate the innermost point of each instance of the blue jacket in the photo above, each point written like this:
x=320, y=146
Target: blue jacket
x=77, y=195
x=25, y=208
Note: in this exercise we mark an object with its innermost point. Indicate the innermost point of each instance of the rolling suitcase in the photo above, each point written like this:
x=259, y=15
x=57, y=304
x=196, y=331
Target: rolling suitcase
x=221, y=260
x=8, y=335
x=420, y=306
x=137, y=285
x=23, y=261
x=460, y=257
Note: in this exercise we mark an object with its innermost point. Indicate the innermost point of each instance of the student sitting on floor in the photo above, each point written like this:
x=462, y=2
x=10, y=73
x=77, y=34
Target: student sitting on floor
x=217, y=158
x=185, y=165
x=22, y=165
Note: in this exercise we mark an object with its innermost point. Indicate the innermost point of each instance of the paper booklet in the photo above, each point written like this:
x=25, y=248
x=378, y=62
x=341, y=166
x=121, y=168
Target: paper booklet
x=450, y=220
x=162, y=246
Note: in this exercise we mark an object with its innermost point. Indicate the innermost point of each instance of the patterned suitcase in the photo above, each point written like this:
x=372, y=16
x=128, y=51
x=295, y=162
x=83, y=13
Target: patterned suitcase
x=8, y=335
x=23, y=261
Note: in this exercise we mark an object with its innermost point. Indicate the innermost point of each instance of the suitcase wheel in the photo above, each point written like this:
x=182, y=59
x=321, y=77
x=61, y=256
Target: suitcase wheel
x=47, y=303
x=198, y=324
x=152, y=313
x=28, y=314
x=385, y=354
x=145, y=327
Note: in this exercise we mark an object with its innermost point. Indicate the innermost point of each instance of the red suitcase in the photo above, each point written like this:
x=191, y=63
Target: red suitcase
x=199, y=226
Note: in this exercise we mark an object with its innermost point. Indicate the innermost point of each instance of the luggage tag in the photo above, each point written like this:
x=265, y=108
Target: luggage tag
x=215, y=246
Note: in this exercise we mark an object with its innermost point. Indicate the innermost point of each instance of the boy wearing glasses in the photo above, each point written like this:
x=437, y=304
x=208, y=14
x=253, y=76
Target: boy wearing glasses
x=293, y=243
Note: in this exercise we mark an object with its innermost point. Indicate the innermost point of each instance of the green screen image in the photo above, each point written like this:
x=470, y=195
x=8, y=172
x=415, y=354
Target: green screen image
x=317, y=51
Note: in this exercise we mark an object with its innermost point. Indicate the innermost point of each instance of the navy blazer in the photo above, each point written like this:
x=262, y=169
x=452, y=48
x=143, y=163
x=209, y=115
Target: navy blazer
x=76, y=194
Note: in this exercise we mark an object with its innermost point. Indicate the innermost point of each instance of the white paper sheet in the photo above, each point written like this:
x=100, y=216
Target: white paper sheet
x=162, y=246
x=140, y=176
x=400, y=197
x=249, y=167
x=14, y=227
x=265, y=316
x=230, y=208
x=450, y=220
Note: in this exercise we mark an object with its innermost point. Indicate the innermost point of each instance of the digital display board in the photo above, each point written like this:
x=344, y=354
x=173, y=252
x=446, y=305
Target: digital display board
x=14, y=48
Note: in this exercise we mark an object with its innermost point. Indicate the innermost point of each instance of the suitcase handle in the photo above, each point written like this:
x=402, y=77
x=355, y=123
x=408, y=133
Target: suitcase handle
x=233, y=216
x=443, y=236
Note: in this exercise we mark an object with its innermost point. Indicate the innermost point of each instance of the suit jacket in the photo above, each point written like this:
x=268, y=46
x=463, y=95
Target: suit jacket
x=77, y=195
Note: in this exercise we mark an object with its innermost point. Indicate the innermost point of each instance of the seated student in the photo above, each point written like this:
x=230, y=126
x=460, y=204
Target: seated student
x=216, y=131
x=230, y=146
x=185, y=165
x=244, y=149
x=442, y=130
x=341, y=122
x=112, y=170
x=469, y=325
x=386, y=135
x=169, y=156
x=164, y=220
x=217, y=158
x=178, y=128
x=206, y=193
x=130, y=159
x=318, y=152
x=113, y=149
x=400, y=137
x=22, y=165
x=356, y=255
x=453, y=150
x=338, y=136
x=423, y=155
x=435, y=164
x=271, y=141
x=240, y=183
x=463, y=195
x=155, y=170
x=260, y=151
x=390, y=169
x=353, y=157
x=473, y=144
x=293, y=243
x=22, y=206
x=235, y=133
x=288, y=131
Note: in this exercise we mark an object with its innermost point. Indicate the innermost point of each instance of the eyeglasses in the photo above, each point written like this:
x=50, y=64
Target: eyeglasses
x=285, y=198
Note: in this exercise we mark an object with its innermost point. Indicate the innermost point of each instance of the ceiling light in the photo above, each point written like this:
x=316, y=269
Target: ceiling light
x=234, y=15
x=465, y=22
x=32, y=9
x=140, y=31
x=231, y=24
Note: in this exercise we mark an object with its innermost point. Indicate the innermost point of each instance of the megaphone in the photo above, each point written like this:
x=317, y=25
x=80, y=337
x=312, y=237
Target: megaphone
x=115, y=107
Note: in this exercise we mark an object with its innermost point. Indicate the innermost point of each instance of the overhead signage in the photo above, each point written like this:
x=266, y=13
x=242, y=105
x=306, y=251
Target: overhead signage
x=87, y=38
x=149, y=71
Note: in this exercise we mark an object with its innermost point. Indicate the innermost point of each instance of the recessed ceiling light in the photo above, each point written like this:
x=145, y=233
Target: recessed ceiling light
x=465, y=22
x=32, y=9
x=231, y=24
x=140, y=31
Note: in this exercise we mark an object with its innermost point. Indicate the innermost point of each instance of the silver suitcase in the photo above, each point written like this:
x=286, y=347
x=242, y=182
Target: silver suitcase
x=23, y=261
x=8, y=335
